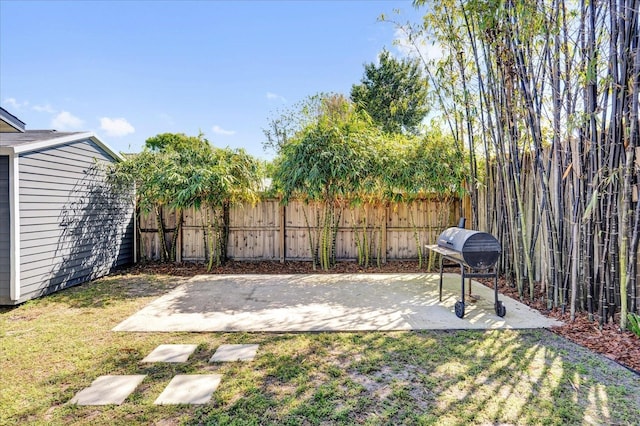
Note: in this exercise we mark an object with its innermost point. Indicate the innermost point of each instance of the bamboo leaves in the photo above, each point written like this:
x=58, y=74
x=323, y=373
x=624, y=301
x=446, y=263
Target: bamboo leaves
x=551, y=88
x=328, y=161
x=181, y=171
x=344, y=159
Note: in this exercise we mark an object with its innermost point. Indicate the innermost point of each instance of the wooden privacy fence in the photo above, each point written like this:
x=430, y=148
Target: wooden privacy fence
x=269, y=230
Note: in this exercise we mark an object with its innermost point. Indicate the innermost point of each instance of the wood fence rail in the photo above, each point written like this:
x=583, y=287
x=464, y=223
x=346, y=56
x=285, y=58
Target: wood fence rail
x=269, y=230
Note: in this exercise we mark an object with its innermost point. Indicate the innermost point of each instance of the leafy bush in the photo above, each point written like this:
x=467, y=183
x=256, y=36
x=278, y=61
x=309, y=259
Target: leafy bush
x=634, y=323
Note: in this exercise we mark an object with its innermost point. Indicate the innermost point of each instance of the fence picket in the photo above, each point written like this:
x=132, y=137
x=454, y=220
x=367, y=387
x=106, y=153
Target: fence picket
x=258, y=232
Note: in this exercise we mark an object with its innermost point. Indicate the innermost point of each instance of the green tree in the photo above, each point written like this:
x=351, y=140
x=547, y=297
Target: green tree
x=179, y=171
x=342, y=160
x=413, y=167
x=178, y=142
x=328, y=161
x=154, y=176
x=184, y=155
x=215, y=180
x=287, y=123
x=394, y=93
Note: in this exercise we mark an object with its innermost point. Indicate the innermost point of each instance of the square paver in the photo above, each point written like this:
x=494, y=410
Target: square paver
x=230, y=353
x=189, y=389
x=170, y=353
x=106, y=390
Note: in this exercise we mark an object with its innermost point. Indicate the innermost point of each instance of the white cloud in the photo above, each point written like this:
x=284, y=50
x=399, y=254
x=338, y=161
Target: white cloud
x=12, y=103
x=220, y=131
x=420, y=48
x=66, y=121
x=275, y=96
x=116, y=127
x=44, y=108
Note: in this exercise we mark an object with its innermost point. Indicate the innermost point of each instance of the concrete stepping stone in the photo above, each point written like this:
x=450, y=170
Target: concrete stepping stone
x=106, y=390
x=230, y=353
x=189, y=389
x=170, y=353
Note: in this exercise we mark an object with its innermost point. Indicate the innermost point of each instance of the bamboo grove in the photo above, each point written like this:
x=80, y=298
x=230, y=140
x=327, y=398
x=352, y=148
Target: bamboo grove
x=341, y=160
x=543, y=95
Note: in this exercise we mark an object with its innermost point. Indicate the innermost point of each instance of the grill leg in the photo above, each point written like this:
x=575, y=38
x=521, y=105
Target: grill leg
x=463, y=278
x=501, y=310
x=441, y=259
x=459, y=306
x=495, y=285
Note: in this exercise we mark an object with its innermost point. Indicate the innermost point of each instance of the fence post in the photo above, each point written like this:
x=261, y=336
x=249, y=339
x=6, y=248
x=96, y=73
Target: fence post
x=283, y=230
x=385, y=215
x=179, y=248
x=466, y=210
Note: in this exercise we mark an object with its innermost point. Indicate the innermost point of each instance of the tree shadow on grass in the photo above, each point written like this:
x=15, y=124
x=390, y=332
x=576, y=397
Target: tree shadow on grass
x=106, y=291
x=454, y=377
x=450, y=377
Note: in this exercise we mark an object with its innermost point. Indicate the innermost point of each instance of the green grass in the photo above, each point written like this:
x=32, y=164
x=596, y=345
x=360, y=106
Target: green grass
x=53, y=347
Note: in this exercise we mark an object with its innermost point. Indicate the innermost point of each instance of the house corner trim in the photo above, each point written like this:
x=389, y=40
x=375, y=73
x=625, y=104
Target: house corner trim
x=14, y=213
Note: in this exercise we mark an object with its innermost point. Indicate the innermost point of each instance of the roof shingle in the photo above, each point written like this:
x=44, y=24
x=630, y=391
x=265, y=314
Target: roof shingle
x=30, y=136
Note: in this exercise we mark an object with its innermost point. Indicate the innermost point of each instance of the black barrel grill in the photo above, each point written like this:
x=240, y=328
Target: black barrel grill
x=477, y=253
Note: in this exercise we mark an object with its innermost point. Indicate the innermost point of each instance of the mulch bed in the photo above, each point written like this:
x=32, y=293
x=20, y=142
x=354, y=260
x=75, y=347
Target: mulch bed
x=271, y=267
x=607, y=339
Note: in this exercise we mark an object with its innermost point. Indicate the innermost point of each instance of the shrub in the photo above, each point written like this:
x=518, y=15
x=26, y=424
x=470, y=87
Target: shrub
x=634, y=323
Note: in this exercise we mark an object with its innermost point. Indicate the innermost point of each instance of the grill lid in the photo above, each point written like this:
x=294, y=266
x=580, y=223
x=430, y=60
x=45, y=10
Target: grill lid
x=477, y=249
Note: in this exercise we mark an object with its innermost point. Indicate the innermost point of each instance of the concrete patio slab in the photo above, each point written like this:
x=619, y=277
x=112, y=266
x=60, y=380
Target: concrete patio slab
x=189, y=389
x=107, y=390
x=326, y=302
x=170, y=353
x=231, y=353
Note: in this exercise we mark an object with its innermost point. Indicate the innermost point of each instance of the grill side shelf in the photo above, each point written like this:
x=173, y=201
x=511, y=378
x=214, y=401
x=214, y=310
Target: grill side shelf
x=442, y=250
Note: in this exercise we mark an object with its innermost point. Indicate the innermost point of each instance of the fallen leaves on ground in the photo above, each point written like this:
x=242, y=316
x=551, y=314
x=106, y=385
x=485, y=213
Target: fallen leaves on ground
x=606, y=339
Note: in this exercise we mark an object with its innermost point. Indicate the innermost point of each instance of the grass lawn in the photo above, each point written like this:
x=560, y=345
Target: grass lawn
x=53, y=347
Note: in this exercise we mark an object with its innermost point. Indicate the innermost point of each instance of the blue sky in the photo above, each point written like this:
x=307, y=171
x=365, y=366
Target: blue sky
x=128, y=70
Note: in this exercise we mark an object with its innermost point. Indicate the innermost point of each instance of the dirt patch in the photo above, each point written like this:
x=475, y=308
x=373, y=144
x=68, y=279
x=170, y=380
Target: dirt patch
x=606, y=339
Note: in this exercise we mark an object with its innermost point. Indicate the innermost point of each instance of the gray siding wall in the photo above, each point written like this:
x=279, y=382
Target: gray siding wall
x=73, y=227
x=5, y=243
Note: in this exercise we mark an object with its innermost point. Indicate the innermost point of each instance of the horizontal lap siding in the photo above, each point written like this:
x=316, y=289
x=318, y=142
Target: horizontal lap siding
x=73, y=228
x=5, y=243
